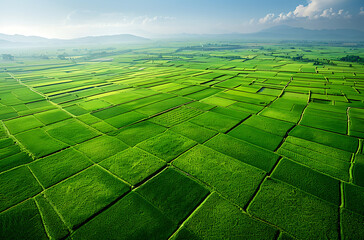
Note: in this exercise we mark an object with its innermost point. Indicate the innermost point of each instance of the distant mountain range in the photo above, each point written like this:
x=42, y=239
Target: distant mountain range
x=285, y=32
x=28, y=41
x=281, y=32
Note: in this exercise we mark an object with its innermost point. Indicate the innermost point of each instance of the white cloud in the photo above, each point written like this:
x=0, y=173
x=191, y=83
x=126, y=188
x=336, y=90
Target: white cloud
x=267, y=18
x=315, y=9
x=361, y=11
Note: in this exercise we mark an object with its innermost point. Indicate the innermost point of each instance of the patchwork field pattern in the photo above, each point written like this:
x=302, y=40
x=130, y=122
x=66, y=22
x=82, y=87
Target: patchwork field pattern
x=177, y=143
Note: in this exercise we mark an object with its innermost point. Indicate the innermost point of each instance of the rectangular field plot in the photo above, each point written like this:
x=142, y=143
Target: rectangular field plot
x=215, y=121
x=22, y=222
x=176, y=116
x=225, y=221
x=167, y=145
x=243, y=151
x=125, y=119
x=256, y=136
x=173, y=193
x=299, y=213
x=71, y=131
x=139, y=132
x=221, y=172
x=130, y=218
x=58, y=166
x=82, y=195
x=101, y=147
x=17, y=185
x=22, y=124
x=39, y=143
x=133, y=165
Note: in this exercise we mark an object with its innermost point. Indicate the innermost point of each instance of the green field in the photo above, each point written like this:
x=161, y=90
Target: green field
x=177, y=143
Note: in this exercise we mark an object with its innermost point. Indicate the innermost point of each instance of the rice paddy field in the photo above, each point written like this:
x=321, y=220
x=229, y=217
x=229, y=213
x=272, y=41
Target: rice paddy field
x=183, y=143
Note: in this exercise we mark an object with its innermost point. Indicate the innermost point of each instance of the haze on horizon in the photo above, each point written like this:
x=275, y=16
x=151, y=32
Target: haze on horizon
x=70, y=18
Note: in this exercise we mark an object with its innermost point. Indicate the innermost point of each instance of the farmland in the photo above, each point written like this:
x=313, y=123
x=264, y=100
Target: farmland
x=261, y=141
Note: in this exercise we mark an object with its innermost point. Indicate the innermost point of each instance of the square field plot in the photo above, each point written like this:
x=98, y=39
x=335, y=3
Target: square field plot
x=216, y=121
x=270, y=125
x=58, y=166
x=299, y=213
x=175, y=194
x=83, y=195
x=139, y=132
x=71, y=131
x=22, y=222
x=132, y=217
x=243, y=151
x=219, y=219
x=176, y=116
x=16, y=186
x=167, y=145
x=331, y=161
x=194, y=132
x=125, y=119
x=102, y=147
x=14, y=160
x=234, y=179
x=22, y=124
x=256, y=136
x=346, y=143
x=39, y=143
x=52, y=116
x=308, y=180
x=133, y=165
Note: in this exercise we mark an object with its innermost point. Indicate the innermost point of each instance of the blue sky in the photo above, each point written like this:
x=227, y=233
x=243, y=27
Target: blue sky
x=77, y=18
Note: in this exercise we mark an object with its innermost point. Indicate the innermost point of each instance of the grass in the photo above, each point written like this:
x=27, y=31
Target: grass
x=133, y=165
x=358, y=170
x=53, y=224
x=176, y=116
x=219, y=219
x=352, y=198
x=295, y=211
x=167, y=145
x=215, y=121
x=22, y=124
x=52, y=116
x=132, y=218
x=14, y=160
x=173, y=193
x=351, y=224
x=125, y=119
x=39, y=143
x=194, y=132
x=256, y=136
x=243, y=151
x=308, y=180
x=102, y=147
x=71, y=131
x=139, y=132
x=206, y=141
x=22, y=222
x=17, y=185
x=221, y=172
x=334, y=140
x=59, y=166
x=319, y=162
x=270, y=125
x=84, y=194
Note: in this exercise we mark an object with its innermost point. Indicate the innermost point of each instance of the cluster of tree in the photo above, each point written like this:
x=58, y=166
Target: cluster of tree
x=352, y=58
x=211, y=47
x=7, y=57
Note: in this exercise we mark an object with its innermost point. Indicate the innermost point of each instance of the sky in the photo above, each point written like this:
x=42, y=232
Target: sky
x=152, y=18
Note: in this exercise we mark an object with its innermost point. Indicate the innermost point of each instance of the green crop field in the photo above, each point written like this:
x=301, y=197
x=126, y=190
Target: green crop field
x=176, y=142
